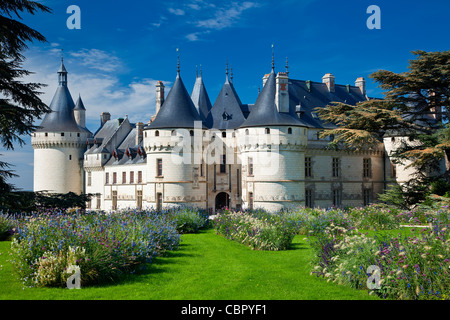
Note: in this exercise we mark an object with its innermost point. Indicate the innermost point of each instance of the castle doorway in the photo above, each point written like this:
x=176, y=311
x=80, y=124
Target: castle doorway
x=222, y=200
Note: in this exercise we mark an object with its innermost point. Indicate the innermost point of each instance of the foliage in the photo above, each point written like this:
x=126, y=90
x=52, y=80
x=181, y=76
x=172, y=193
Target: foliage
x=412, y=266
x=20, y=104
x=415, y=107
x=258, y=230
x=19, y=202
x=7, y=224
x=188, y=220
x=104, y=246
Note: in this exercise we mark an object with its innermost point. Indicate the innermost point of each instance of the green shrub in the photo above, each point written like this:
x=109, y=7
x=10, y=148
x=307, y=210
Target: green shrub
x=259, y=233
x=188, y=220
x=7, y=225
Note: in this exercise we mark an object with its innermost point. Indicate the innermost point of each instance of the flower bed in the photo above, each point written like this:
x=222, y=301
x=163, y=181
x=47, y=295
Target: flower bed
x=410, y=267
x=103, y=246
x=258, y=230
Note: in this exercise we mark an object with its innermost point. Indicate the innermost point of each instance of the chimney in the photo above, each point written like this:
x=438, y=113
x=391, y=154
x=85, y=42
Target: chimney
x=282, y=93
x=266, y=76
x=104, y=117
x=328, y=79
x=140, y=132
x=361, y=84
x=159, y=95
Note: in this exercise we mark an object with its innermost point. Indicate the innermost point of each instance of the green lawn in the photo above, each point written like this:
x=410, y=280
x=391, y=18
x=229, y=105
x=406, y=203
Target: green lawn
x=206, y=267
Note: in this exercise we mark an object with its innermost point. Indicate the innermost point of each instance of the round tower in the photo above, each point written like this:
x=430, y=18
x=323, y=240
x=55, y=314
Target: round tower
x=59, y=145
x=173, y=144
x=272, y=147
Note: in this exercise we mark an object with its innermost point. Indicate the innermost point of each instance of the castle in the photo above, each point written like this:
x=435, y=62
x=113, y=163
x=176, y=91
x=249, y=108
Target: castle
x=228, y=154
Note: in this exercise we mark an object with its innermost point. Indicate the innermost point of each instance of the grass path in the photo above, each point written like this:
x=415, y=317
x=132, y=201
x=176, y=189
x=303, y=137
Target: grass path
x=206, y=267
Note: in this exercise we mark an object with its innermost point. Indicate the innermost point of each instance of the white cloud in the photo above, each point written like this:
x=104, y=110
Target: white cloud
x=225, y=17
x=97, y=59
x=177, y=12
x=100, y=92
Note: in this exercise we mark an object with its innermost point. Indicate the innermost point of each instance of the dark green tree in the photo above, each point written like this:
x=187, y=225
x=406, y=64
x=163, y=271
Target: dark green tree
x=416, y=106
x=20, y=104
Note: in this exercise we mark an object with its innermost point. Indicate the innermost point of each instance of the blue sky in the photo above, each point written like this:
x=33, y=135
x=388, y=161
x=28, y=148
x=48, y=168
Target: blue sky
x=124, y=47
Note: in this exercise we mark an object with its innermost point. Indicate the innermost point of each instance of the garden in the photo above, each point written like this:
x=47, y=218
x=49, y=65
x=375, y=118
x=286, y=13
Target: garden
x=375, y=252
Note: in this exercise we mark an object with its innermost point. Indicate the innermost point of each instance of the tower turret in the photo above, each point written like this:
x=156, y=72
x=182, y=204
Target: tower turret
x=60, y=142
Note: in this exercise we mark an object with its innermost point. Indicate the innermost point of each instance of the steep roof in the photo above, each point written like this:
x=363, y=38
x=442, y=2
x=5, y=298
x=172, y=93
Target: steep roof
x=265, y=112
x=61, y=117
x=226, y=112
x=308, y=95
x=200, y=98
x=178, y=110
x=79, y=105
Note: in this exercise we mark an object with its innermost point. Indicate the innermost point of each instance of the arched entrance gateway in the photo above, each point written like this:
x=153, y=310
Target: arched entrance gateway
x=222, y=200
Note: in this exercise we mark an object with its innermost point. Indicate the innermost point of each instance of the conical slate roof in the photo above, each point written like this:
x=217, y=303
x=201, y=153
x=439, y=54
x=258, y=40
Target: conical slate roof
x=61, y=118
x=79, y=105
x=178, y=110
x=200, y=98
x=265, y=112
x=226, y=112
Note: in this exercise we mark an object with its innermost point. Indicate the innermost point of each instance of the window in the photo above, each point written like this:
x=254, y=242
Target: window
x=308, y=167
x=174, y=132
x=367, y=168
x=89, y=179
x=62, y=134
x=367, y=196
x=139, y=176
x=238, y=187
x=107, y=178
x=393, y=170
x=46, y=134
x=78, y=135
x=114, y=200
x=159, y=202
x=159, y=168
x=250, y=200
x=201, y=169
x=114, y=177
x=250, y=166
x=246, y=132
x=70, y=157
x=224, y=134
x=99, y=202
x=267, y=131
x=289, y=130
x=337, y=197
x=335, y=167
x=191, y=133
x=139, y=199
x=156, y=133
x=124, y=177
x=309, y=198
x=132, y=177
x=223, y=164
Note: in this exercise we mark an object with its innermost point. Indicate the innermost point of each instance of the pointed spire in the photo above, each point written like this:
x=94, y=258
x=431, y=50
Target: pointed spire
x=226, y=72
x=62, y=72
x=178, y=63
x=273, y=59
x=231, y=69
x=79, y=105
x=287, y=66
